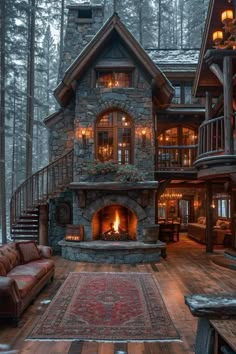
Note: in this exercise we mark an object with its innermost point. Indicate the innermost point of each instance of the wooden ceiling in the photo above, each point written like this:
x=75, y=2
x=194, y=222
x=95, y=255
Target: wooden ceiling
x=205, y=80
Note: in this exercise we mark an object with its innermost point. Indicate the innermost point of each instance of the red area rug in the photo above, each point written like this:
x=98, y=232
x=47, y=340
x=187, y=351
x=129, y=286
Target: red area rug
x=106, y=307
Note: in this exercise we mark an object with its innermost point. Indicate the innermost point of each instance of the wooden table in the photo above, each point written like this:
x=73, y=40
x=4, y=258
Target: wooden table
x=225, y=329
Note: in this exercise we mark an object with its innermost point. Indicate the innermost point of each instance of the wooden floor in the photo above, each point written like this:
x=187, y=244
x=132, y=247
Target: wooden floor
x=186, y=270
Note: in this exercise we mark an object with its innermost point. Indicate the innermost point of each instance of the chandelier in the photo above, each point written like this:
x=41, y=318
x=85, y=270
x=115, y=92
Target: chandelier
x=220, y=38
x=171, y=195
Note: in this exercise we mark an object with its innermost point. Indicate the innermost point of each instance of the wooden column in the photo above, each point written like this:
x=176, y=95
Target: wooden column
x=43, y=225
x=208, y=106
x=233, y=214
x=228, y=104
x=209, y=217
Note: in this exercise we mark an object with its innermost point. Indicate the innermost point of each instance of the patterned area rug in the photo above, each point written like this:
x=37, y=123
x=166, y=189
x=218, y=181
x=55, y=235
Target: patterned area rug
x=106, y=307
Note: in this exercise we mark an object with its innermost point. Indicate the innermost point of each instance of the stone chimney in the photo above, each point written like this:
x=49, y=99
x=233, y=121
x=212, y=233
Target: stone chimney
x=84, y=21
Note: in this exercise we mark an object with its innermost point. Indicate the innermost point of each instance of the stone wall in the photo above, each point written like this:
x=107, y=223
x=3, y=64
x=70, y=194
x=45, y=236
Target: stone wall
x=61, y=134
x=137, y=102
x=56, y=231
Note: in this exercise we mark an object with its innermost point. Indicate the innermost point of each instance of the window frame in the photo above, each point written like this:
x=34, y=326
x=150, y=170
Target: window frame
x=114, y=129
x=182, y=96
x=113, y=72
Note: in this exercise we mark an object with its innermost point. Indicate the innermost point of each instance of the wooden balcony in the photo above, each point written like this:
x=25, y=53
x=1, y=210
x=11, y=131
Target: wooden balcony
x=176, y=159
x=215, y=155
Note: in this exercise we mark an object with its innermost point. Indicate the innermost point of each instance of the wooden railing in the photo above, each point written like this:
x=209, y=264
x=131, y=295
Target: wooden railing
x=42, y=185
x=176, y=157
x=211, y=137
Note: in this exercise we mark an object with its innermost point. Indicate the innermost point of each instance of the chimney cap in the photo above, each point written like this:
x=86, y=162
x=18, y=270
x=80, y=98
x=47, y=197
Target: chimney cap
x=84, y=5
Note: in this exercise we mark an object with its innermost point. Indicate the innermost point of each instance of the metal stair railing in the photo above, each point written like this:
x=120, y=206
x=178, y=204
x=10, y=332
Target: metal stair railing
x=42, y=185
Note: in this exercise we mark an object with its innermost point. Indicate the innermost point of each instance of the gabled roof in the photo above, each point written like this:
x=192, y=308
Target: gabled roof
x=163, y=91
x=205, y=80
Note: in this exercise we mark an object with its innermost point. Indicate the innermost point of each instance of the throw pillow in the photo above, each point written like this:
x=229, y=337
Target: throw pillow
x=223, y=225
x=28, y=251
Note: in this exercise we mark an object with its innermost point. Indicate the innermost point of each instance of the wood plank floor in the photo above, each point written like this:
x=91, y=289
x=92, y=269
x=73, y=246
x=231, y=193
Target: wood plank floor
x=186, y=270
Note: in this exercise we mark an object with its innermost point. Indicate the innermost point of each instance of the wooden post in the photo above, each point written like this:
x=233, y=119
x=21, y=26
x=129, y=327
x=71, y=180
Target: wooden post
x=208, y=113
x=43, y=225
x=228, y=109
x=233, y=212
x=209, y=216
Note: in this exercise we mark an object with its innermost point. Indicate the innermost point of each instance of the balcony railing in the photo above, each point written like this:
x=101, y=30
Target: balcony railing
x=211, y=137
x=174, y=158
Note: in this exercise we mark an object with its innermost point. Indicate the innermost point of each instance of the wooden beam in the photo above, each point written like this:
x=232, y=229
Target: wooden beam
x=217, y=71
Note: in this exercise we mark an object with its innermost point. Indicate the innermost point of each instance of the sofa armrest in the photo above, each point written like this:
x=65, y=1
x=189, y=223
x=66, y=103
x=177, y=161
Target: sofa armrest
x=9, y=288
x=45, y=251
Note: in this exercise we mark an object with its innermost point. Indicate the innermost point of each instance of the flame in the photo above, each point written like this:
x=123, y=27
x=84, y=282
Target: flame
x=116, y=222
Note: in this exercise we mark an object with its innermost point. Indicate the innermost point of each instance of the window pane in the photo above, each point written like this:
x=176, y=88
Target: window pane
x=106, y=120
x=177, y=97
x=122, y=79
x=104, y=79
x=105, y=145
x=187, y=94
x=123, y=120
x=124, y=145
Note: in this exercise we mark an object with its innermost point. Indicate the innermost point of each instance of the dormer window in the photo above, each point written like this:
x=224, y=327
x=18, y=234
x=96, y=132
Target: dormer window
x=111, y=79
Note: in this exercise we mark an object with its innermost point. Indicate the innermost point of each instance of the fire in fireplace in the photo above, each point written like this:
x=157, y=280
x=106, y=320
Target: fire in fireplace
x=115, y=232
x=114, y=223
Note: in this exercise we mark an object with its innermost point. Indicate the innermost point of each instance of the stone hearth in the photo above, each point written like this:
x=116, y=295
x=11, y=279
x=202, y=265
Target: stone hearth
x=130, y=252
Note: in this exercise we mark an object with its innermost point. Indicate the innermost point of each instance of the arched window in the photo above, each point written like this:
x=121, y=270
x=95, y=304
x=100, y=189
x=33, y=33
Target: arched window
x=114, y=137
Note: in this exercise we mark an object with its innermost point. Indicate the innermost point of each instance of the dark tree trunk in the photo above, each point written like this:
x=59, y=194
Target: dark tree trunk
x=30, y=88
x=159, y=24
x=61, y=36
x=2, y=124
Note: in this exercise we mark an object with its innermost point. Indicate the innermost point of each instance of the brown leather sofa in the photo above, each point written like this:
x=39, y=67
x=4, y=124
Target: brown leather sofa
x=25, y=269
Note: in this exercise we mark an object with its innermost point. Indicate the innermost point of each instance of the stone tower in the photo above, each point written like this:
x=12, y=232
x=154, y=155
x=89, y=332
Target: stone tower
x=84, y=21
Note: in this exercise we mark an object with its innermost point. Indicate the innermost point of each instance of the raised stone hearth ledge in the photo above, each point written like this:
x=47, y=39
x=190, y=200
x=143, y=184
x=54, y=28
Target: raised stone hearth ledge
x=119, y=186
x=130, y=252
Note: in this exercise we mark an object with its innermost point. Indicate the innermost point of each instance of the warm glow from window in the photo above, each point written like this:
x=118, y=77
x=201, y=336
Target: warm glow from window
x=114, y=138
x=111, y=79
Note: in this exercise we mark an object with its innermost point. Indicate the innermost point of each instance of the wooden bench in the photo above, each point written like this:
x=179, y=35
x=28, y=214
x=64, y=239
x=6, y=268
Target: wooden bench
x=216, y=331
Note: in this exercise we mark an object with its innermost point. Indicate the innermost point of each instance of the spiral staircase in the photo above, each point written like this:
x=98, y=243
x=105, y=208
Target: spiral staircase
x=36, y=191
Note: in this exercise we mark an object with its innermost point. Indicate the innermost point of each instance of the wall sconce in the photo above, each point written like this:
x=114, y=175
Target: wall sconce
x=144, y=137
x=213, y=205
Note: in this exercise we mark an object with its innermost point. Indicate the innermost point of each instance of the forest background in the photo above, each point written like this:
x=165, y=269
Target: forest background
x=31, y=45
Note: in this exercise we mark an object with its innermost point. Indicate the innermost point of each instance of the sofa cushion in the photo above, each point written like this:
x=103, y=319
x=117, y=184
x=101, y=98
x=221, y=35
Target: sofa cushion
x=28, y=251
x=5, y=263
x=3, y=271
x=9, y=251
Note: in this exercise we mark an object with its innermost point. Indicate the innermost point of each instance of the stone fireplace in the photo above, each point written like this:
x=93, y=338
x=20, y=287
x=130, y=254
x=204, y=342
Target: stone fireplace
x=114, y=211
